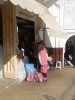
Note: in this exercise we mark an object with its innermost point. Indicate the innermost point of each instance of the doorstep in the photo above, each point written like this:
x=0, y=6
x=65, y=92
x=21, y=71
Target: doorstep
x=5, y=83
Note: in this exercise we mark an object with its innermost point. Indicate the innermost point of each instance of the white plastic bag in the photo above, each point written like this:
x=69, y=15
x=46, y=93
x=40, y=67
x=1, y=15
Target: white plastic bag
x=21, y=73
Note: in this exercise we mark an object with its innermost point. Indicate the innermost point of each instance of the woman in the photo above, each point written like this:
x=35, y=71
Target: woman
x=43, y=56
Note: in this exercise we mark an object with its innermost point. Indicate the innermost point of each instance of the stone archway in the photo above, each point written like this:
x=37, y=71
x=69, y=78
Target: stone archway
x=70, y=43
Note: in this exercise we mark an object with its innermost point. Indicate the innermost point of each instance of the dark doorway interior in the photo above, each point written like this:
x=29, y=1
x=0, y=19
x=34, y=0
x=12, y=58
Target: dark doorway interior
x=26, y=34
x=26, y=30
x=70, y=44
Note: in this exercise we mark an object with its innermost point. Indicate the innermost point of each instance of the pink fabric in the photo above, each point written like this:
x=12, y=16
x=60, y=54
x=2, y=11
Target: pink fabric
x=31, y=76
x=38, y=77
x=34, y=76
x=44, y=68
x=43, y=58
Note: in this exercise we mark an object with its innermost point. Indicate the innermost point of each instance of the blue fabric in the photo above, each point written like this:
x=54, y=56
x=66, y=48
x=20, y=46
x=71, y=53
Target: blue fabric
x=26, y=60
x=30, y=68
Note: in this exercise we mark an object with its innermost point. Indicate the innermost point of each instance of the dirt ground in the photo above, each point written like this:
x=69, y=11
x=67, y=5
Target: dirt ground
x=60, y=86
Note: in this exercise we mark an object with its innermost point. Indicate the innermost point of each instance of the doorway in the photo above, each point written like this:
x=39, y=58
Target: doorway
x=71, y=45
x=26, y=35
x=26, y=30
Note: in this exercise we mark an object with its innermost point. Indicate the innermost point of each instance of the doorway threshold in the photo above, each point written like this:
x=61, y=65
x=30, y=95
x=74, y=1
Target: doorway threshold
x=6, y=83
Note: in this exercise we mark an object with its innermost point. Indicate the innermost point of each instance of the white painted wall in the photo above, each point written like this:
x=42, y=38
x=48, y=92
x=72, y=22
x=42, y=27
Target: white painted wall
x=57, y=11
x=64, y=12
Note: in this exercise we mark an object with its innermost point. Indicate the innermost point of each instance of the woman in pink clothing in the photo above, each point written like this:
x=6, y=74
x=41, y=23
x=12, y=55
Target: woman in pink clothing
x=42, y=55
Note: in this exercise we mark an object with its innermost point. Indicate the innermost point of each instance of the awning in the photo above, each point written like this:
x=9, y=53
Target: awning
x=47, y=3
x=33, y=6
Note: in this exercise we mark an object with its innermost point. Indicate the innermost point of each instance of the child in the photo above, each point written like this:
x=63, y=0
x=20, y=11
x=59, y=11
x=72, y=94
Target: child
x=43, y=56
x=21, y=73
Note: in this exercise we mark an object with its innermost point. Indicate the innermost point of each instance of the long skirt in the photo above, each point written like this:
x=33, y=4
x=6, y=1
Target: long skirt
x=43, y=68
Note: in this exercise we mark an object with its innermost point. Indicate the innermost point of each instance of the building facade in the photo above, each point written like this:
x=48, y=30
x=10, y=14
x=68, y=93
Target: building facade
x=64, y=12
x=13, y=18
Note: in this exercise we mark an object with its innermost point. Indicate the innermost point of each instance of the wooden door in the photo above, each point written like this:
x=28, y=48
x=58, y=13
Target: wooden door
x=9, y=40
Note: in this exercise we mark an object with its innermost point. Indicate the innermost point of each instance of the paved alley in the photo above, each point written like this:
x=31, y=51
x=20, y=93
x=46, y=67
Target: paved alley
x=60, y=86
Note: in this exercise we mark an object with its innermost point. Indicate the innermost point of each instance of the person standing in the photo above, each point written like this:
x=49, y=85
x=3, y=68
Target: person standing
x=68, y=57
x=43, y=56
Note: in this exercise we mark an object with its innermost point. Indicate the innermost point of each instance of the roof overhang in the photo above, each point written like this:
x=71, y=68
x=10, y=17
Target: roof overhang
x=47, y=3
x=34, y=6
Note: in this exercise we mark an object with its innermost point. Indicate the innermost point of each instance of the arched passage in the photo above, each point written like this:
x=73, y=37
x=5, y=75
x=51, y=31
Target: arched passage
x=71, y=44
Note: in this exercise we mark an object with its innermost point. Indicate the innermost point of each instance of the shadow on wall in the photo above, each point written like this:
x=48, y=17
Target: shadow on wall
x=55, y=52
x=47, y=39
